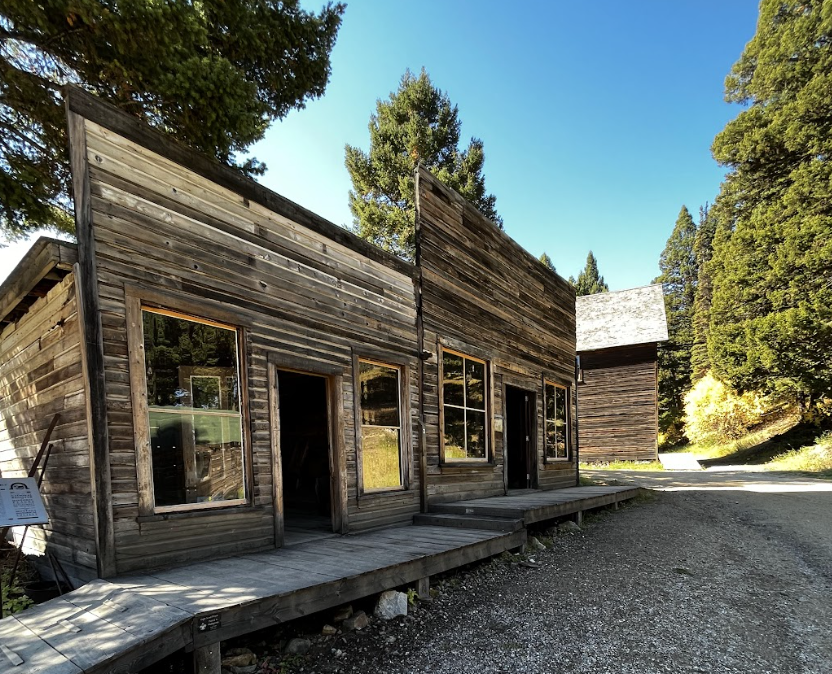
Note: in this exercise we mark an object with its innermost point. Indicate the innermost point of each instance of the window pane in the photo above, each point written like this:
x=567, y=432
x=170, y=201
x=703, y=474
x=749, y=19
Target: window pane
x=190, y=364
x=194, y=411
x=551, y=440
x=196, y=458
x=380, y=452
x=475, y=384
x=550, y=402
x=454, y=434
x=452, y=386
x=475, y=430
x=562, y=426
x=379, y=395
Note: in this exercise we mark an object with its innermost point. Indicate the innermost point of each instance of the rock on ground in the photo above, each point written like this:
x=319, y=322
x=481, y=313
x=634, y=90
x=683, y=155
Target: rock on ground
x=391, y=604
x=752, y=597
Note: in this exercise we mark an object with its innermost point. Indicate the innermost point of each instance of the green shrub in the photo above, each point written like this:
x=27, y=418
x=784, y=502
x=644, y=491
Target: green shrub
x=714, y=413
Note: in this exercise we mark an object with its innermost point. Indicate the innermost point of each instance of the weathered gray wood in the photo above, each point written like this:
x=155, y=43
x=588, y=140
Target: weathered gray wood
x=618, y=410
x=18, y=642
x=540, y=505
x=207, y=659
x=484, y=296
x=86, y=273
x=44, y=264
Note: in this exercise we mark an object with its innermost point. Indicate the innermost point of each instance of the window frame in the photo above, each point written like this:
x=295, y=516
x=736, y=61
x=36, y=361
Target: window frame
x=404, y=429
x=487, y=459
x=136, y=302
x=568, y=391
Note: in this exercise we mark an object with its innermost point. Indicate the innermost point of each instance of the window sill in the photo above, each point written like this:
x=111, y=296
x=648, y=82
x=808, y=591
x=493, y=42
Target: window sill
x=459, y=466
x=557, y=463
x=199, y=512
x=382, y=493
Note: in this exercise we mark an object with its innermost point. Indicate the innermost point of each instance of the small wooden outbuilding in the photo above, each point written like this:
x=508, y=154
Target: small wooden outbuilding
x=235, y=373
x=617, y=339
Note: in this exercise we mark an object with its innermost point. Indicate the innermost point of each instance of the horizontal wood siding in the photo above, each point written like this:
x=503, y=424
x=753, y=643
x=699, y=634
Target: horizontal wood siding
x=40, y=376
x=484, y=295
x=162, y=228
x=618, y=404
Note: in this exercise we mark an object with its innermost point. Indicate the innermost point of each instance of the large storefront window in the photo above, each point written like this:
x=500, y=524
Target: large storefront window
x=193, y=400
x=381, y=432
x=464, y=406
x=557, y=421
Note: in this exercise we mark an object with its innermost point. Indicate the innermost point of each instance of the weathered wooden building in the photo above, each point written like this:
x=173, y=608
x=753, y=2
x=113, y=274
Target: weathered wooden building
x=617, y=338
x=235, y=373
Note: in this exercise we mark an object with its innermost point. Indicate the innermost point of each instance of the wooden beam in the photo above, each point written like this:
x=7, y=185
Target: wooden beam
x=86, y=284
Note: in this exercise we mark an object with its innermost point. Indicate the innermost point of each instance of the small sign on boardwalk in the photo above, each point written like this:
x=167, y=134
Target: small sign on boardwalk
x=20, y=502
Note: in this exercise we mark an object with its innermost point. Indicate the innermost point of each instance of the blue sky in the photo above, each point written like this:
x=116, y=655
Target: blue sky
x=596, y=117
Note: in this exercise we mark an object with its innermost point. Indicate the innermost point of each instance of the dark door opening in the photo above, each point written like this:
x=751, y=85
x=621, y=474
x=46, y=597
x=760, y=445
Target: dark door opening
x=304, y=451
x=519, y=442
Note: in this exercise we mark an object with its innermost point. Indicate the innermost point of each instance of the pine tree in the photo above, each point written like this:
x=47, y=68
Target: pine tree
x=547, y=262
x=771, y=312
x=210, y=73
x=678, y=279
x=700, y=363
x=589, y=281
x=416, y=124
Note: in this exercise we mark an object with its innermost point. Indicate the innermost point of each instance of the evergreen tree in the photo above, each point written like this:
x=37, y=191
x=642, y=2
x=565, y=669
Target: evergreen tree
x=547, y=261
x=211, y=73
x=678, y=279
x=589, y=280
x=700, y=363
x=771, y=312
x=417, y=124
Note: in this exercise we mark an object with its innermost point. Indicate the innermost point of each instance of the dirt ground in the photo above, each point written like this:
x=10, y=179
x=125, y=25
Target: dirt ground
x=719, y=572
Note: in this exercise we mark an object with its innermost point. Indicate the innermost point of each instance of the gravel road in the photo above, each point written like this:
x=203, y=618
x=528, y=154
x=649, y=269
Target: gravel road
x=718, y=573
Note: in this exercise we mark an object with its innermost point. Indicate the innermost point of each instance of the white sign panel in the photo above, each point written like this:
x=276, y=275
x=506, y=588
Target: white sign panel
x=20, y=502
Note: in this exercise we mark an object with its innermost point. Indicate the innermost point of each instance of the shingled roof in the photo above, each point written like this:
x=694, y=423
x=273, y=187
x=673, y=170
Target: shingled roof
x=621, y=318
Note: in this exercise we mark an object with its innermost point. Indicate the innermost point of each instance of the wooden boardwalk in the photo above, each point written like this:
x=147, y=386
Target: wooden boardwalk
x=530, y=506
x=128, y=623
x=122, y=625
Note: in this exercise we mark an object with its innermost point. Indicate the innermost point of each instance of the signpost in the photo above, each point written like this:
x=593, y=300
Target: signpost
x=20, y=502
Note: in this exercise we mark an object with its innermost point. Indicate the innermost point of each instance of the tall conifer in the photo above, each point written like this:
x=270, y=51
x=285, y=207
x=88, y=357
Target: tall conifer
x=678, y=279
x=771, y=313
x=589, y=280
x=416, y=124
x=702, y=250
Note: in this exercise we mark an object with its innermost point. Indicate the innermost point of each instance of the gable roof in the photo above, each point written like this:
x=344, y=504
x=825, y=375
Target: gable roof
x=622, y=318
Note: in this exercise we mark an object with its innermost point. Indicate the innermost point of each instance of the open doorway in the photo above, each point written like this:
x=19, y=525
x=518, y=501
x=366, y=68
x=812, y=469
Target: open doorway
x=519, y=438
x=304, y=454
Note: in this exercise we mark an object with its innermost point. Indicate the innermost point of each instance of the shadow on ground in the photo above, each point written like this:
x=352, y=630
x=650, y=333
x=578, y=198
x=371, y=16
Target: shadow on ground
x=798, y=436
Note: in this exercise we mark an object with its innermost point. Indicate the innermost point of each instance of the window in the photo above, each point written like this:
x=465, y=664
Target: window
x=381, y=433
x=193, y=401
x=463, y=400
x=557, y=421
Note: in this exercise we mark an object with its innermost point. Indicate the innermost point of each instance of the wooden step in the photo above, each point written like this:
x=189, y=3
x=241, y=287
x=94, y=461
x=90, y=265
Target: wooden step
x=508, y=524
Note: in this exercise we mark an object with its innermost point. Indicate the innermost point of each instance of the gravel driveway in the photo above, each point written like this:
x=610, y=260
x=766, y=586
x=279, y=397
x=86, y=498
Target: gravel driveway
x=725, y=572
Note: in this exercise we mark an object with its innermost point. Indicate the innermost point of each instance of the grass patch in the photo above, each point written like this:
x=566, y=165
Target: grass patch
x=622, y=465
x=815, y=458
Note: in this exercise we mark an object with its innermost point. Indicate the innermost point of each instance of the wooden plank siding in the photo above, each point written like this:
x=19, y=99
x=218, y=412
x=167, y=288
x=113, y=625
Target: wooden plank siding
x=40, y=376
x=485, y=296
x=618, y=404
x=169, y=233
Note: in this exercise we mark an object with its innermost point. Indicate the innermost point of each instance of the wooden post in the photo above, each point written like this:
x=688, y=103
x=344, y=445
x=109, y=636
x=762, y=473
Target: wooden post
x=423, y=588
x=207, y=659
x=579, y=517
